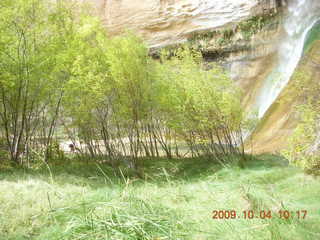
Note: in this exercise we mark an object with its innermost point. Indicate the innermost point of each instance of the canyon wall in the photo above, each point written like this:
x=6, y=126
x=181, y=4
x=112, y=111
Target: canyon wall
x=273, y=132
x=242, y=35
x=164, y=22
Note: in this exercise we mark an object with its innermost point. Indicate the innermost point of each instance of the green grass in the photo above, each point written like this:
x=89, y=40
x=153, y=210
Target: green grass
x=313, y=35
x=80, y=201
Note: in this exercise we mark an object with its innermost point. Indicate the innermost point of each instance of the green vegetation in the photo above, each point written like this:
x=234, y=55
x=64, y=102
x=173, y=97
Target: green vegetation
x=303, y=146
x=254, y=25
x=154, y=145
x=62, y=78
x=81, y=201
x=313, y=35
x=226, y=36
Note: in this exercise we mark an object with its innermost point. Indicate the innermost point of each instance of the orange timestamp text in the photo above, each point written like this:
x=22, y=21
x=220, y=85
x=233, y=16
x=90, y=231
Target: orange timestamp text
x=263, y=214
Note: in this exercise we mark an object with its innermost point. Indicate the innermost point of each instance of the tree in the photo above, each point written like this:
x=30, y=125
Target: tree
x=33, y=65
x=202, y=106
x=112, y=99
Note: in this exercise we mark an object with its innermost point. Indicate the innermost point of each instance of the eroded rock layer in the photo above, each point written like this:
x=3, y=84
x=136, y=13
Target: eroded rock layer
x=164, y=22
x=241, y=34
x=280, y=120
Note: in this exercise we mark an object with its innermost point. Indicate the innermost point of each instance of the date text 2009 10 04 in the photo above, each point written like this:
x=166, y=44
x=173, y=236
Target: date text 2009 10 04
x=263, y=214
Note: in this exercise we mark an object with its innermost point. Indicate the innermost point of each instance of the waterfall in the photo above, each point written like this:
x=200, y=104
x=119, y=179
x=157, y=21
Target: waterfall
x=302, y=15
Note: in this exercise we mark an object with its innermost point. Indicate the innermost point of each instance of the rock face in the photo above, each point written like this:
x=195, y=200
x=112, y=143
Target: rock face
x=165, y=22
x=241, y=34
x=277, y=125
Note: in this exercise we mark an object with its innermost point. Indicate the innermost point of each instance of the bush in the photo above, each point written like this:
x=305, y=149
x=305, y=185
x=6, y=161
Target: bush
x=304, y=144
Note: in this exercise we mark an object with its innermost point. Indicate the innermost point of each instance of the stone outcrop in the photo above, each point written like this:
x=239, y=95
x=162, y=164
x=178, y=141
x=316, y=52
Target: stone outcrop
x=165, y=22
x=272, y=133
x=243, y=35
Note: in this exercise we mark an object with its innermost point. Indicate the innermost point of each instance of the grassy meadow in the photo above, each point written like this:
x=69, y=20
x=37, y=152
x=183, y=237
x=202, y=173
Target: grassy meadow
x=175, y=201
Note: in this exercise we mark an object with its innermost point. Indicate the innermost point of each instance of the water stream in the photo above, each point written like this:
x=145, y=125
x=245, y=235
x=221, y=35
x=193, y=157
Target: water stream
x=302, y=16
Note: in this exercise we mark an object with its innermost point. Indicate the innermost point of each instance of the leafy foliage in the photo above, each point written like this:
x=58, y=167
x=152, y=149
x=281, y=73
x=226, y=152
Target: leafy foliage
x=304, y=145
x=202, y=106
x=63, y=77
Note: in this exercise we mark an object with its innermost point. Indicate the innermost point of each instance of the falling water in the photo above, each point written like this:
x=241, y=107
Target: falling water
x=302, y=15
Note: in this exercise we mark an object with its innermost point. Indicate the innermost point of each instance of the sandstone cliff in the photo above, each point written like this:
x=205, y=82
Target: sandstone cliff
x=164, y=22
x=272, y=133
x=241, y=34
